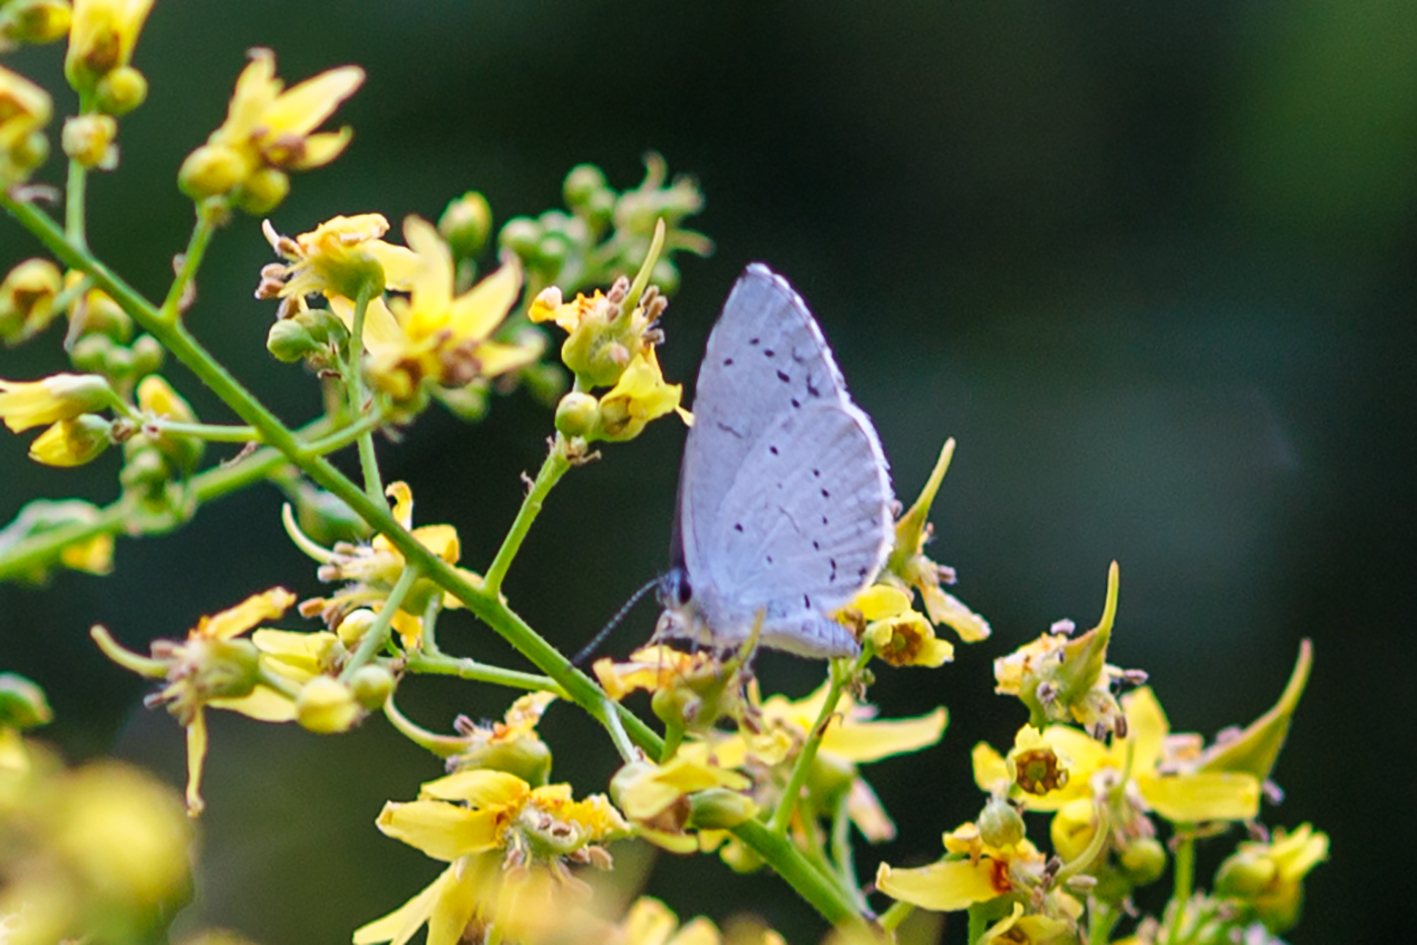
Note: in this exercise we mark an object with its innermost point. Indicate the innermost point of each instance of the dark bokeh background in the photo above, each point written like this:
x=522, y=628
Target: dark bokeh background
x=1153, y=267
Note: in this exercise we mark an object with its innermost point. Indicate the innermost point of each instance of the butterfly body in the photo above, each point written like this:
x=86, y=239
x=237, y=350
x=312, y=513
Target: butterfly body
x=784, y=493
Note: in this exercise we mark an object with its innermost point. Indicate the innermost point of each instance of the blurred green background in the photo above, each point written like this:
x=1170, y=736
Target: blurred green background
x=1152, y=266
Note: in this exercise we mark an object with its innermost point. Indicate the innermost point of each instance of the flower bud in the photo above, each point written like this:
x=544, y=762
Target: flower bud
x=353, y=627
x=582, y=185
x=72, y=442
x=577, y=414
x=157, y=399
x=1000, y=823
x=211, y=171
x=22, y=703
x=90, y=353
x=263, y=191
x=520, y=235
x=27, y=299
x=327, y=706
x=148, y=355
x=121, y=91
x=58, y=397
x=720, y=809
x=527, y=757
x=372, y=686
x=1143, y=860
x=289, y=341
x=97, y=312
x=1072, y=829
x=466, y=224
x=36, y=21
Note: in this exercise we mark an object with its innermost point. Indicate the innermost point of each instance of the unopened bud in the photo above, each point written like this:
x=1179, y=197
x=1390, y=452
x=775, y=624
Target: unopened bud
x=466, y=224
x=121, y=90
x=210, y=171
x=37, y=21
x=327, y=706
x=289, y=341
x=372, y=686
x=263, y=191
x=720, y=809
x=520, y=235
x=72, y=442
x=353, y=627
x=1000, y=823
x=577, y=413
x=22, y=703
x=1143, y=860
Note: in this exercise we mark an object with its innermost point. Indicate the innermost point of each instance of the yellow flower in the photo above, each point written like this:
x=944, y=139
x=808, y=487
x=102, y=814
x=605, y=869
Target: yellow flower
x=853, y=736
x=211, y=667
x=1268, y=877
x=506, y=843
x=102, y=35
x=1063, y=679
x=268, y=132
x=650, y=668
x=27, y=300
x=690, y=690
x=898, y=633
x=658, y=799
x=25, y=109
x=909, y=563
x=602, y=338
x=72, y=442
x=340, y=257
x=436, y=335
x=25, y=404
x=511, y=745
x=1163, y=767
x=372, y=569
x=94, y=556
x=1034, y=929
x=639, y=396
x=972, y=871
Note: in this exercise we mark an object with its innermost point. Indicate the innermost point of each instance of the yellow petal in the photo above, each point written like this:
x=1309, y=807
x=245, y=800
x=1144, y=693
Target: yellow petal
x=494, y=358
x=942, y=887
x=245, y=615
x=321, y=149
x=399, y=926
x=990, y=769
x=442, y=540
x=196, y=757
x=261, y=704
x=880, y=601
x=441, y=830
x=477, y=312
x=302, y=108
x=1147, y=727
x=403, y=502
x=1196, y=798
x=479, y=788
x=868, y=814
x=383, y=336
x=871, y=741
x=305, y=652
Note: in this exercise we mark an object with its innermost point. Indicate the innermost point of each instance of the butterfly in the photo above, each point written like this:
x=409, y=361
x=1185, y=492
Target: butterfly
x=784, y=503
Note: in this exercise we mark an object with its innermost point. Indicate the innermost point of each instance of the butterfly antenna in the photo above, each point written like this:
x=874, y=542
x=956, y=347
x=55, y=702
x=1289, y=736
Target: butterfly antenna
x=614, y=622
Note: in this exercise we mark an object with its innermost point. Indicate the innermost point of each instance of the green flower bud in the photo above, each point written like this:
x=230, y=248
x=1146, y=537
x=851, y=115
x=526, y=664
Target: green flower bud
x=1143, y=860
x=211, y=171
x=145, y=469
x=1245, y=876
x=101, y=314
x=520, y=235
x=529, y=758
x=583, y=184
x=466, y=224
x=720, y=809
x=148, y=355
x=289, y=341
x=828, y=777
x=91, y=353
x=353, y=627
x=552, y=250
x=121, y=90
x=577, y=413
x=372, y=686
x=263, y=191
x=1000, y=823
x=327, y=706
x=228, y=669
x=22, y=703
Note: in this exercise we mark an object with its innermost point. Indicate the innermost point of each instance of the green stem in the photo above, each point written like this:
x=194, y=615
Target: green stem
x=673, y=737
x=834, y=903
x=208, y=214
x=368, y=460
x=843, y=856
x=377, y=636
x=550, y=473
x=216, y=433
x=898, y=912
x=1184, y=866
x=790, y=795
x=1102, y=917
x=440, y=665
x=74, y=198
